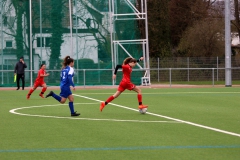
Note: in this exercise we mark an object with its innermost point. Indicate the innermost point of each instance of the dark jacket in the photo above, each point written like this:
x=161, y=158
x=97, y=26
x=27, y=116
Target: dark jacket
x=20, y=67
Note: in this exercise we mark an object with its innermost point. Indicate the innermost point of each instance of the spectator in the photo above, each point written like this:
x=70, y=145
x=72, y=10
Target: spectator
x=19, y=71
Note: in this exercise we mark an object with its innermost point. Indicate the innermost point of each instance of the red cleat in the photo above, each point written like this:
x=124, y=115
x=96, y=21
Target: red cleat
x=142, y=106
x=41, y=95
x=28, y=96
x=102, y=105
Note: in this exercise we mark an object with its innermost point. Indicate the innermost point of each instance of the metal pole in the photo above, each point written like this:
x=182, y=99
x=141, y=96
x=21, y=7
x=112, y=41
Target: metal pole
x=98, y=70
x=111, y=9
x=41, y=29
x=84, y=78
x=217, y=68
x=213, y=77
x=188, y=67
x=2, y=36
x=170, y=76
x=147, y=42
x=30, y=43
x=158, y=69
x=70, y=21
x=228, y=74
x=76, y=38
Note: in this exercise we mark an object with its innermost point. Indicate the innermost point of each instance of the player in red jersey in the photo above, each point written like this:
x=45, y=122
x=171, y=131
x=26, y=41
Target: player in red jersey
x=126, y=83
x=39, y=81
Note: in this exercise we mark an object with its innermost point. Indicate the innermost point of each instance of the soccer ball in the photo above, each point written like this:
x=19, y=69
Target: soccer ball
x=143, y=111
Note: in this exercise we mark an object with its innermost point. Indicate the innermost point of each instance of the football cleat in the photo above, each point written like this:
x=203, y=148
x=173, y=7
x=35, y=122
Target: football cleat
x=142, y=106
x=75, y=114
x=49, y=94
x=41, y=95
x=102, y=105
x=28, y=96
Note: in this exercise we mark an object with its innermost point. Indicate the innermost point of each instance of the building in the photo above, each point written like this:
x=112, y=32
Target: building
x=79, y=41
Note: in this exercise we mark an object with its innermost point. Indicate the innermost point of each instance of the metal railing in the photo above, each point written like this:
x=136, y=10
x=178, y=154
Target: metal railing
x=86, y=77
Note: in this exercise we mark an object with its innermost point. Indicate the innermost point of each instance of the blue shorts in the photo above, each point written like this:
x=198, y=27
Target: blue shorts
x=65, y=92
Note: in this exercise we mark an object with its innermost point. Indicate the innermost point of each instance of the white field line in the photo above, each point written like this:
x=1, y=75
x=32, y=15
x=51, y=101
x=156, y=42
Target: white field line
x=172, y=93
x=90, y=119
x=170, y=118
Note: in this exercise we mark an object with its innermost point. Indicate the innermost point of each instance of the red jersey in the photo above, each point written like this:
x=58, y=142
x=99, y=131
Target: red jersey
x=39, y=78
x=127, y=70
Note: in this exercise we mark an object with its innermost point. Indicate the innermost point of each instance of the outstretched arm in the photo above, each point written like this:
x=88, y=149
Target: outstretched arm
x=140, y=59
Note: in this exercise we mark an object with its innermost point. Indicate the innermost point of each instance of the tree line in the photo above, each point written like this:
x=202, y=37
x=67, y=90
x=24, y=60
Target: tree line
x=177, y=28
x=189, y=28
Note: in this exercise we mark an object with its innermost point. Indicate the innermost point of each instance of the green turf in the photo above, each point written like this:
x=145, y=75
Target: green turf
x=46, y=130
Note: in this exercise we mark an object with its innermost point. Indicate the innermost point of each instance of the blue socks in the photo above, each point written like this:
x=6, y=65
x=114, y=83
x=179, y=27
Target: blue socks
x=58, y=98
x=71, y=107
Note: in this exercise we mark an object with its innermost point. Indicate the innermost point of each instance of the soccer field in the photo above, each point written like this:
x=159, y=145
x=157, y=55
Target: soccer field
x=181, y=123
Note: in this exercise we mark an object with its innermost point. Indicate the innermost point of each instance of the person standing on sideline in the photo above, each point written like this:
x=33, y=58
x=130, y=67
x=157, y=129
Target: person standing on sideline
x=19, y=71
x=39, y=81
x=67, y=74
x=126, y=83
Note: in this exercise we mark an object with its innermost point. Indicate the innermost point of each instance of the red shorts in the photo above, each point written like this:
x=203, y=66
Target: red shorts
x=38, y=83
x=123, y=85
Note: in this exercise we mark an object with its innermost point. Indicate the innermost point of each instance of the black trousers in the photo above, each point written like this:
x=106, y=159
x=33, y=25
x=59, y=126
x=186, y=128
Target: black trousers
x=20, y=76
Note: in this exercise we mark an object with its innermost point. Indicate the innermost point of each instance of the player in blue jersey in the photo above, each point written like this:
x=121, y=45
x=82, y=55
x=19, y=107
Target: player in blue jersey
x=67, y=74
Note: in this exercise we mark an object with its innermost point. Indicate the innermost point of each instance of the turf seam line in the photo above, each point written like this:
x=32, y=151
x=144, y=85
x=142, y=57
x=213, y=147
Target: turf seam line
x=119, y=148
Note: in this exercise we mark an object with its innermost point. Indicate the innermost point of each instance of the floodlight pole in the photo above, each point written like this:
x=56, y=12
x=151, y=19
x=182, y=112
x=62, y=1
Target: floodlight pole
x=228, y=71
x=41, y=29
x=76, y=22
x=70, y=18
x=30, y=39
x=1, y=20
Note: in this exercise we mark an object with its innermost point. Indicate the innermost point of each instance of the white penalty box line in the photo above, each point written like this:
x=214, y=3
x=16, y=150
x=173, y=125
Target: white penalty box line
x=169, y=118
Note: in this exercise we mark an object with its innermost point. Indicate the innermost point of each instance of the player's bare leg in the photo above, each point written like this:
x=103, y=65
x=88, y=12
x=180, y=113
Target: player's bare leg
x=30, y=92
x=103, y=104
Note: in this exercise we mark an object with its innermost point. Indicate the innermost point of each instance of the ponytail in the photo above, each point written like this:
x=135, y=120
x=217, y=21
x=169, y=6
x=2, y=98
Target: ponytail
x=129, y=60
x=66, y=61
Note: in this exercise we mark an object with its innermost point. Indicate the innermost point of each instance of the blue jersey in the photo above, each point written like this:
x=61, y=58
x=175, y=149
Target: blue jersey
x=67, y=77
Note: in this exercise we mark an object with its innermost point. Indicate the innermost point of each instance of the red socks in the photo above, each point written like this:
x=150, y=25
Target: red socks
x=110, y=99
x=30, y=92
x=139, y=99
x=43, y=90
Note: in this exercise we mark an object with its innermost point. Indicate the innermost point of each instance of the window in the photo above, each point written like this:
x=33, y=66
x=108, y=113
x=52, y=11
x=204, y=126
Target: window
x=75, y=22
x=8, y=44
x=39, y=42
x=47, y=41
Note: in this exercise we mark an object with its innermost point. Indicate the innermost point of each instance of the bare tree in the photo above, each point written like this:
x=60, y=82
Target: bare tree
x=236, y=22
x=204, y=39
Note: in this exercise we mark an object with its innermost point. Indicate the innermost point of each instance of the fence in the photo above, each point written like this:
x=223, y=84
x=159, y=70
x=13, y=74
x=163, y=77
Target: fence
x=90, y=77
x=181, y=70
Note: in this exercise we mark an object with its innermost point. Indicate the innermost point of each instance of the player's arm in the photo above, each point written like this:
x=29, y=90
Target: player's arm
x=70, y=80
x=115, y=71
x=70, y=77
x=140, y=59
x=43, y=74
